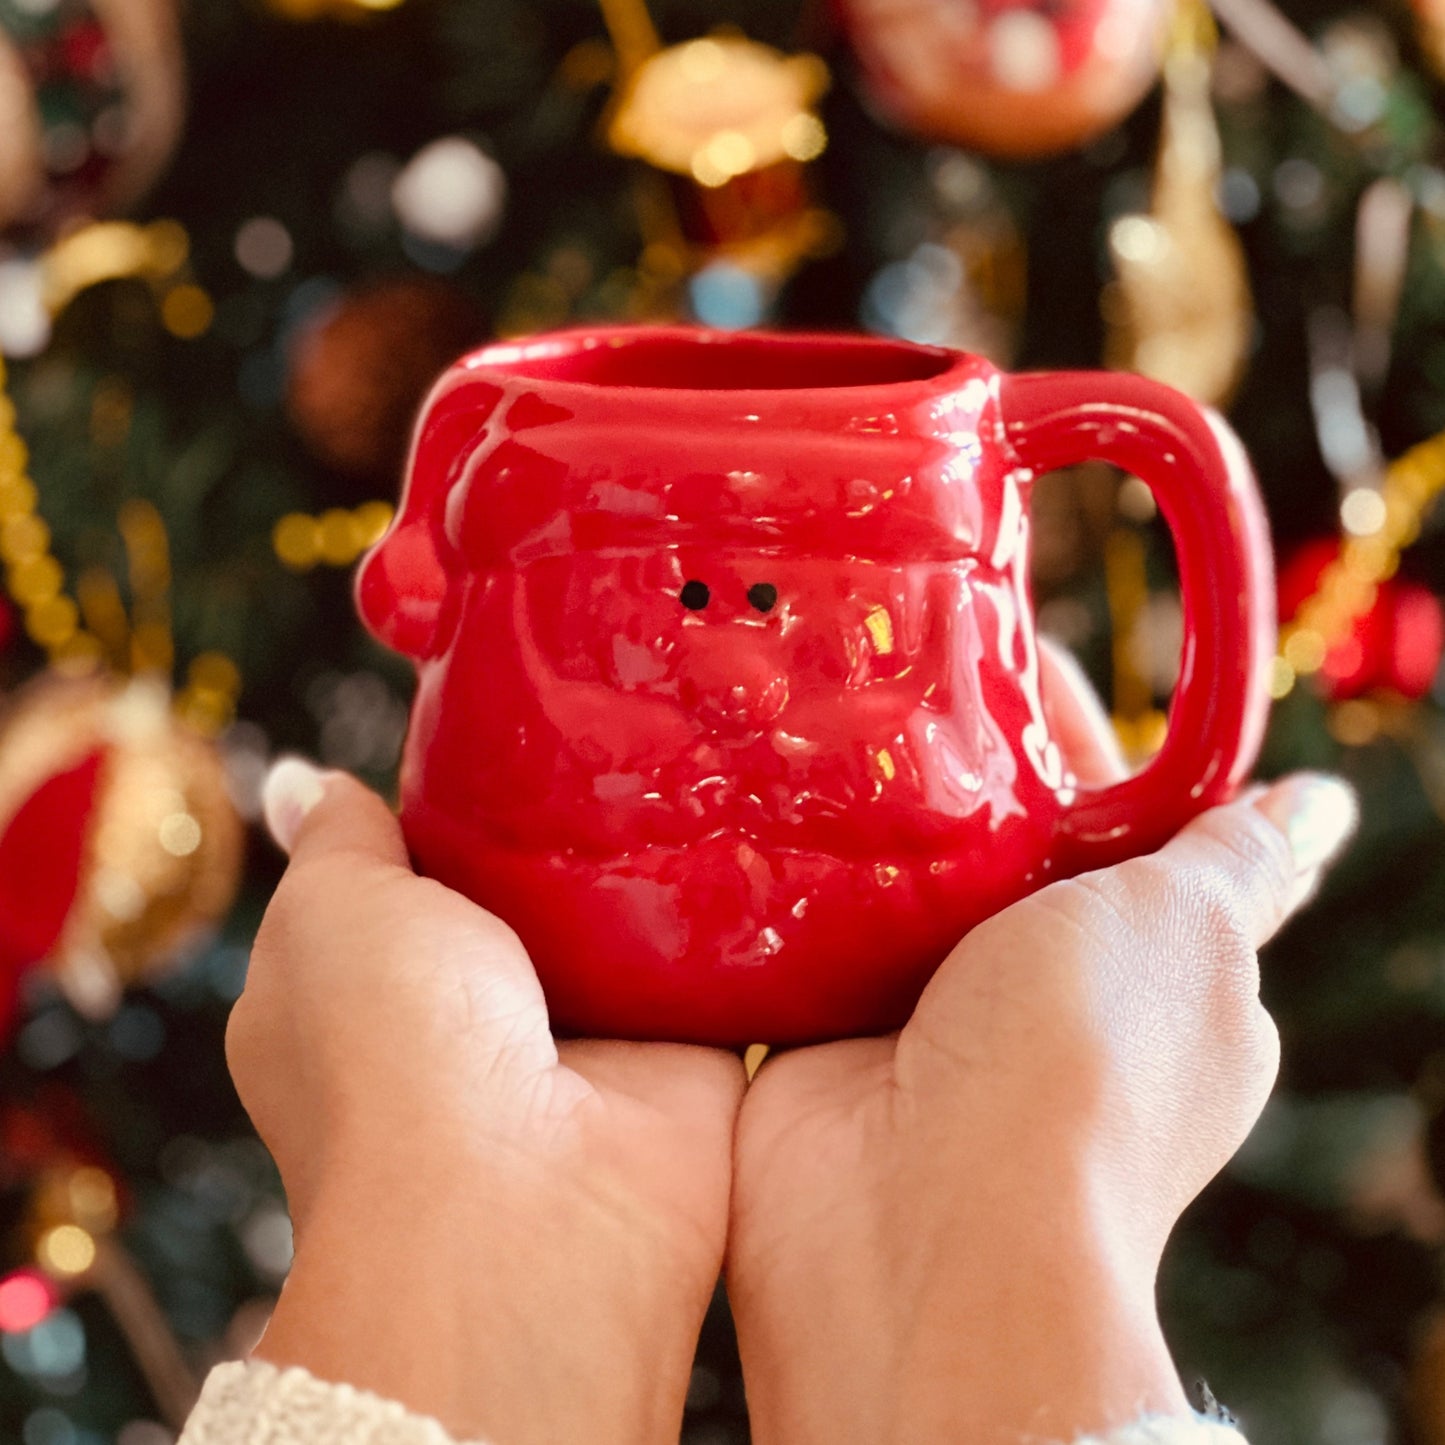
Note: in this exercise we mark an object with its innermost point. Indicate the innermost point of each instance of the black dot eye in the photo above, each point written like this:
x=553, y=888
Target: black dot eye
x=694, y=596
x=763, y=596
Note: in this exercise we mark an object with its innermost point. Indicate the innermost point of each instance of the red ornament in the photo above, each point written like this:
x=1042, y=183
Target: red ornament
x=1395, y=647
x=119, y=843
x=1016, y=78
x=42, y=849
x=729, y=688
x=7, y=623
x=360, y=369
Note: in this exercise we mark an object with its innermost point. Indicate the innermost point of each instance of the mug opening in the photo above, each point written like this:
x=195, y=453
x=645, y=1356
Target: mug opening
x=719, y=361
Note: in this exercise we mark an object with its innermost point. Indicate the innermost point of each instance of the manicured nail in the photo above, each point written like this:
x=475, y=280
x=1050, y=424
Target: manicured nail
x=1316, y=813
x=293, y=787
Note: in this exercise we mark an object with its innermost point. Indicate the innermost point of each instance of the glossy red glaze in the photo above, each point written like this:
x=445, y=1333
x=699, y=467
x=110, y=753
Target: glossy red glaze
x=723, y=823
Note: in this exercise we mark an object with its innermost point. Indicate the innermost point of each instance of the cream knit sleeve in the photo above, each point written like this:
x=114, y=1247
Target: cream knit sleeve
x=253, y=1403
x=1170, y=1430
x=257, y=1404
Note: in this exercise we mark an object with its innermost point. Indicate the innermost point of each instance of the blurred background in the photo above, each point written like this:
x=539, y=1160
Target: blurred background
x=237, y=240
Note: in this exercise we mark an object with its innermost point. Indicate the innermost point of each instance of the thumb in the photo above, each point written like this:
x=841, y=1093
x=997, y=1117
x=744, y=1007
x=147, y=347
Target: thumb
x=1077, y=719
x=312, y=814
x=1263, y=855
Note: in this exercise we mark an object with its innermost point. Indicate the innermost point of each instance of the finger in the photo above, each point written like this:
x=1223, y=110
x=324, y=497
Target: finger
x=347, y=846
x=1263, y=857
x=685, y=1081
x=1077, y=719
x=312, y=814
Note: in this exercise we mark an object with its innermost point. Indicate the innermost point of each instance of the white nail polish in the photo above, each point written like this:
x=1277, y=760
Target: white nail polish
x=1318, y=815
x=293, y=788
x=1305, y=885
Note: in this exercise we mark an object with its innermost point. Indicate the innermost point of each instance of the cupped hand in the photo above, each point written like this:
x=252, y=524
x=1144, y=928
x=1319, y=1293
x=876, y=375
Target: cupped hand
x=517, y=1236
x=953, y=1233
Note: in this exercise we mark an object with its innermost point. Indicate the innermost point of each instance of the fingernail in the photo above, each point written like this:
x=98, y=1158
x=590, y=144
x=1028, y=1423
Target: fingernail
x=1304, y=888
x=292, y=789
x=1316, y=813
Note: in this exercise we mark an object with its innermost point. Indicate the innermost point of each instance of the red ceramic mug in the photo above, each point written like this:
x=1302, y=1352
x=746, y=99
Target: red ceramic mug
x=728, y=679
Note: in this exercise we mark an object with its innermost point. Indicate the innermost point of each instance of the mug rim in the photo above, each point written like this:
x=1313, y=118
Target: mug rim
x=917, y=369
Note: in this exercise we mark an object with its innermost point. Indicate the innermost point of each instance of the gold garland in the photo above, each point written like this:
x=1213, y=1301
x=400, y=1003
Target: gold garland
x=82, y=632
x=33, y=578
x=336, y=538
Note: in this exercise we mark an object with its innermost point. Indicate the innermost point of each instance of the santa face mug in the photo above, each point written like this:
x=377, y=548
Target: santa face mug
x=728, y=678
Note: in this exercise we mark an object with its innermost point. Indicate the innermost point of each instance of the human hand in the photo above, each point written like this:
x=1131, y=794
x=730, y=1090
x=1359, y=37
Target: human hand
x=516, y=1236
x=953, y=1233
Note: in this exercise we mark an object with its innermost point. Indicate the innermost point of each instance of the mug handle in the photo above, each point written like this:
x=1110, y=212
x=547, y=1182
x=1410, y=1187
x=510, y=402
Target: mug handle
x=1204, y=485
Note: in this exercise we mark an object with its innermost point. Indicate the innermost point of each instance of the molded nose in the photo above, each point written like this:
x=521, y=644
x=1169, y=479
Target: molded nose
x=727, y=681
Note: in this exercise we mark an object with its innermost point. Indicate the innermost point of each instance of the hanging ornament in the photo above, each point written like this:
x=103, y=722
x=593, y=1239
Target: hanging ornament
x=121, y=841
x=1017, y=78
x=731, y=125
x=1394, y=645
x=1180, y=311
x=91, y=108
x=735, y=121
x=1378, y=526
x=1430, y=26
x=147, y=814
x=360, y=369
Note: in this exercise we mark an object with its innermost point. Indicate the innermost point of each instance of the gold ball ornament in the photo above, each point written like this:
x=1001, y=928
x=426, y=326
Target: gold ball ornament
x=1015, y=78
x=163, y=846
x=111, y=74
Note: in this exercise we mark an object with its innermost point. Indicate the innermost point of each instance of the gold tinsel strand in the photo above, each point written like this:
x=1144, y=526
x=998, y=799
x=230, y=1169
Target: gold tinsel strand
x=79, y=633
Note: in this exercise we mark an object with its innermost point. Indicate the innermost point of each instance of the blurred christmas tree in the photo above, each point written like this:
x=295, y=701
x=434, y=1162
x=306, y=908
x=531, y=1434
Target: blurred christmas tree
x=214, y=395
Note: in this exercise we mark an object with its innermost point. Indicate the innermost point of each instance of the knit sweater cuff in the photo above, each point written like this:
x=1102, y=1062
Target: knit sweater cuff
x=253, y=1403
x=1169, y=1430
